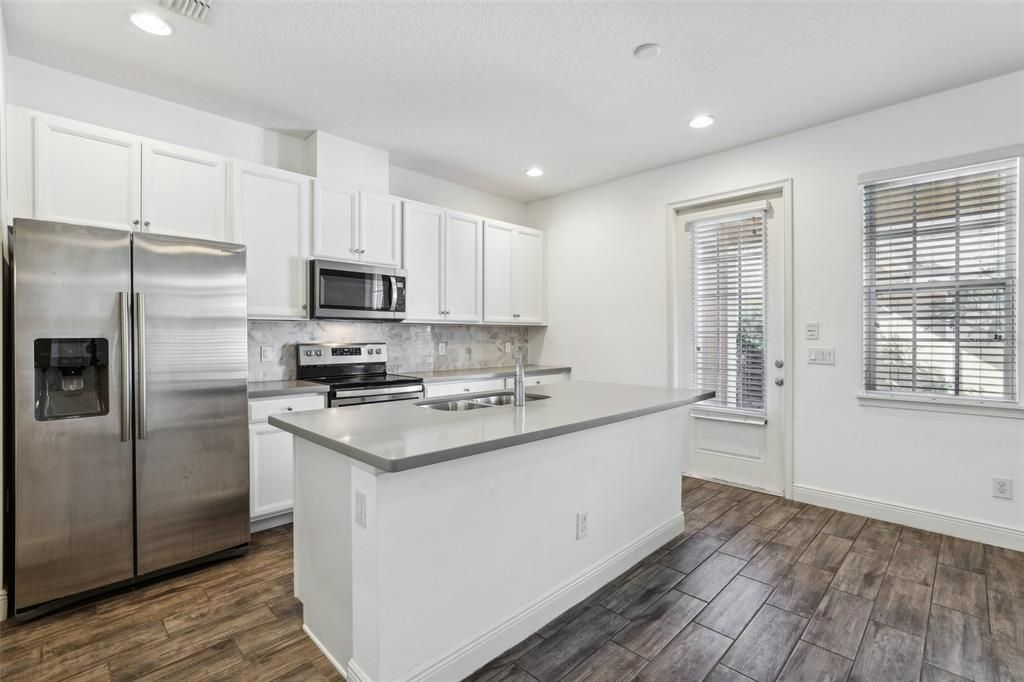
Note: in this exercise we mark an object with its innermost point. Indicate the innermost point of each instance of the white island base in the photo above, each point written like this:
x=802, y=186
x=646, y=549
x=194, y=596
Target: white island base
x=446, y=566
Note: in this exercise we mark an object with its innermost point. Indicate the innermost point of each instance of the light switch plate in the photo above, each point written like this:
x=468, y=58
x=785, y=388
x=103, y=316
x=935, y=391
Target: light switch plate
x=442, y=348
x=360, y=508
x=812, y=331
x=821, y=356
x=266, y=352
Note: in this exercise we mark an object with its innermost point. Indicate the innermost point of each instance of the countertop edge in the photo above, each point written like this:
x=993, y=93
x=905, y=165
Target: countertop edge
x=439, y=456
x=311, y=387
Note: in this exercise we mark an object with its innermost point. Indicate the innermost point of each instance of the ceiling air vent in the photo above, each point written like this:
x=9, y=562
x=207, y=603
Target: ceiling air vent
x=193, y=9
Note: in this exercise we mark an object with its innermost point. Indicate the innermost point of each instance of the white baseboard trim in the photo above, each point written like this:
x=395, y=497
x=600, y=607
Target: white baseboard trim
x=475, y=652
x=268, y=522
x=337, y=666
x=3, y=604
x=916, y=517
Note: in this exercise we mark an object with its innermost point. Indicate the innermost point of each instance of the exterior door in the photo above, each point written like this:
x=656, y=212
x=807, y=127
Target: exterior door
x=184, y=192
x=424, y=237
x=72, y=452
x=192, y=460
x=731, y=338
x=463, y=268
x=86, y=175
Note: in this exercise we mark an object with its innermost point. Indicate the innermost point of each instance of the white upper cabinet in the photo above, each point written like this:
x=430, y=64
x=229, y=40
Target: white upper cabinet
x=86, y=175
x=463, y=268
x=380, y=229
x=424, y=241
x=513, y=274
x=271, y=216
x=184, y=192
x=336, y=221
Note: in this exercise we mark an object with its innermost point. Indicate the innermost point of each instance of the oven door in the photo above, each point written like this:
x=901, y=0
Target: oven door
x=353, y=291
x=360, y=396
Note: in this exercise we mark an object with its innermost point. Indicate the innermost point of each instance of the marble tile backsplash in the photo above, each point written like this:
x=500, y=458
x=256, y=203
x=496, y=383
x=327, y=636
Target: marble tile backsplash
x=411, y=347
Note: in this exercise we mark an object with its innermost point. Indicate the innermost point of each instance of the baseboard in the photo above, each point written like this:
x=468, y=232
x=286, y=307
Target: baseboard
x=520, y=624
x=916, y=517
x=270, y=522
x=3, y=605
x=330, y=659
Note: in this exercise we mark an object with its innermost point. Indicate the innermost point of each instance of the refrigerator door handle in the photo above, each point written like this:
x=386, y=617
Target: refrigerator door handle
x=140, y=363
x=124, y=300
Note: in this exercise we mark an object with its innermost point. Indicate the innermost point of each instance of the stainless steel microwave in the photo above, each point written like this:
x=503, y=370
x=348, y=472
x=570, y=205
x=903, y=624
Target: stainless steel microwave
x=352, y=291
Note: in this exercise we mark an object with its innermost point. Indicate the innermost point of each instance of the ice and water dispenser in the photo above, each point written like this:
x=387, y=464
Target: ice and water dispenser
x=71, y=378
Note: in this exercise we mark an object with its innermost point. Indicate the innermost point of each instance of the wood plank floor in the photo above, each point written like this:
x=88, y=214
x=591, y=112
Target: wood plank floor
x=755, y=588
x=759, y=588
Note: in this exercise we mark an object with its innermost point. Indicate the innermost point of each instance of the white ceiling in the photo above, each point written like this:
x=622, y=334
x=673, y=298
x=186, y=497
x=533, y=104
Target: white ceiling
x=478, y=92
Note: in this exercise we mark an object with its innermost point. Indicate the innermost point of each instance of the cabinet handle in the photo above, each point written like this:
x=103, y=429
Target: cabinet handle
x=465, y=390
x=135, y=222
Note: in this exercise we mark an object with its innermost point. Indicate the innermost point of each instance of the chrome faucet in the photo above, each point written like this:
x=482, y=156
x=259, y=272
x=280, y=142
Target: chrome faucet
x=520, y=381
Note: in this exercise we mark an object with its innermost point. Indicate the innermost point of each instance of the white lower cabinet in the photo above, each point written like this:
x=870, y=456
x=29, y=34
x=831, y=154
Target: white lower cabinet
x=459, y=387
x=271, y=466
x=540, y=379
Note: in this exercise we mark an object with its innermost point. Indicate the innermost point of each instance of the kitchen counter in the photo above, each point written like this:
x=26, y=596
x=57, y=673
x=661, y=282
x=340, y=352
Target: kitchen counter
x=403, y=435
x=443, y=375
x=269, y=389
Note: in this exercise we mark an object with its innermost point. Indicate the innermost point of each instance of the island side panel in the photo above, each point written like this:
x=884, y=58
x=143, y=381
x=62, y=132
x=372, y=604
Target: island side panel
x=323, y=548
x=475, y=554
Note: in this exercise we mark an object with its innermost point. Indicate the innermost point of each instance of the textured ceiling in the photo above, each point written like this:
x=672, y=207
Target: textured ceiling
x=478, y=92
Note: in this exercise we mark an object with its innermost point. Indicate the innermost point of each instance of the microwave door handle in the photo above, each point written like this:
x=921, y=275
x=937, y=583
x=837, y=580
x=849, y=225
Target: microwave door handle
x=394, y=293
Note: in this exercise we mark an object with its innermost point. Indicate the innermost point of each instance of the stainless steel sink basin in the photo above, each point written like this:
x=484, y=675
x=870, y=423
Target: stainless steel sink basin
x=477, y=402
x=506, y=398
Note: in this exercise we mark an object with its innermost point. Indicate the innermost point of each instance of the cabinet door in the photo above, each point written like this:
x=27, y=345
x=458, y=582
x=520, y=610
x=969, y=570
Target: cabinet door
x=86, y=175
x=459, y=387
x=424, y=239
x=380, y=229
x=271, y=470
x=528, y=275
x=271, y=216
x=463, y=268
x=184, y=192
x=498, y=300
x=335, y=221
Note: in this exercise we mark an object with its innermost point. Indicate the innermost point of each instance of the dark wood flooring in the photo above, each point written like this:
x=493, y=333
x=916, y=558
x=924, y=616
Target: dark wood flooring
x=755, y=588
x=760, y=588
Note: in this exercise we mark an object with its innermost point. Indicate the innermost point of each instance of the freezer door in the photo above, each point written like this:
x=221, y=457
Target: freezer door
x=192, y=451
x=72, y=455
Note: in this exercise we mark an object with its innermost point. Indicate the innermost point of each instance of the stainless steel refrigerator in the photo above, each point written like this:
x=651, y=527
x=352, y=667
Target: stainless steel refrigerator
x=127, y=408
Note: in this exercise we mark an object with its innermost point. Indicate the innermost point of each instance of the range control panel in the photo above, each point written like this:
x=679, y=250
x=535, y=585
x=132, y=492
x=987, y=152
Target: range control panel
x=342, y=354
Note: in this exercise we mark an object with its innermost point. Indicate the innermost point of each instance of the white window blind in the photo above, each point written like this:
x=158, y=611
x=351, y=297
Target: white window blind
x=940, y=273
x=729, y=279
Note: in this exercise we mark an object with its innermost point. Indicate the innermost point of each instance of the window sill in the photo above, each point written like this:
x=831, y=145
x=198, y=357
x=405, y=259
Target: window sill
x=987, y=408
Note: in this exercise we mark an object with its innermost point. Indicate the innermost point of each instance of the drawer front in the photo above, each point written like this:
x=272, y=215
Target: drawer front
x=540, y=379
x=455, y=388
x=261, y=408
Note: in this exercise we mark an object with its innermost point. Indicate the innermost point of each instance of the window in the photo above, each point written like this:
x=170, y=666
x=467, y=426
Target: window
x=729, y=273
x=940, y=283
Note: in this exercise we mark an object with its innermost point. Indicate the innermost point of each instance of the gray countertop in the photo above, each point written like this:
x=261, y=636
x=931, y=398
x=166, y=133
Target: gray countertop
x=443, y=375
x=269, y=389
x=402, y=435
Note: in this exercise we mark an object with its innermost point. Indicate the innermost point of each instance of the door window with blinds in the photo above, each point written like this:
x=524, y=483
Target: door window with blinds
x=940, y=283
x=729, y=271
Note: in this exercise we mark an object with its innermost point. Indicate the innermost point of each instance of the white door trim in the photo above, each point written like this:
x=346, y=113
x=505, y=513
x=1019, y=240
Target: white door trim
x=672, y=212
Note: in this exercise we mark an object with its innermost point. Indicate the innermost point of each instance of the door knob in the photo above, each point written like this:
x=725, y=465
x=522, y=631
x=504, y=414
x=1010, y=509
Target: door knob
x=779, y=381
x=779, y=363
x=135, y=222
x=145, y=224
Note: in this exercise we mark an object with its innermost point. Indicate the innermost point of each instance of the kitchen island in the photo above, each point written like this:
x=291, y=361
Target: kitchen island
x=428, y=541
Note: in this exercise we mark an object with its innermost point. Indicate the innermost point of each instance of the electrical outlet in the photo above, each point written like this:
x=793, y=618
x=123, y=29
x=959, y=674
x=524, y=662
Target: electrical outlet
x=360, y=508
x=508, y=346
x=581, y=525
x=442, y=348
x=266, y=353
x=1003, y=488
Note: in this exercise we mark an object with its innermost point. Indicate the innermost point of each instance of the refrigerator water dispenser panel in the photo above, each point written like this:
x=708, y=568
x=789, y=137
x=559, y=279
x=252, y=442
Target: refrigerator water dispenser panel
x=70, y=378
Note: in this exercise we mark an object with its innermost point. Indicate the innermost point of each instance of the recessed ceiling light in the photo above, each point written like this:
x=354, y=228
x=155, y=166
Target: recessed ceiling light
x=702, y=121
x=151, y=23
x=535, y=172
x=647, y=51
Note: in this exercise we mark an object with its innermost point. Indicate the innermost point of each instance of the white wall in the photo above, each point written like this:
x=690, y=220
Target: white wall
x=419, y=187
x=608, y=301
x=34, y=86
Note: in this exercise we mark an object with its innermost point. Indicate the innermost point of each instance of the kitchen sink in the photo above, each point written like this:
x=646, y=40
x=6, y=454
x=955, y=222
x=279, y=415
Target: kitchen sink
x=475, y=403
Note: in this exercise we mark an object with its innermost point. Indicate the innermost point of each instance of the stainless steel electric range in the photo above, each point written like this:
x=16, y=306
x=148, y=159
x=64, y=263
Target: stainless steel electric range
x=356, y=372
